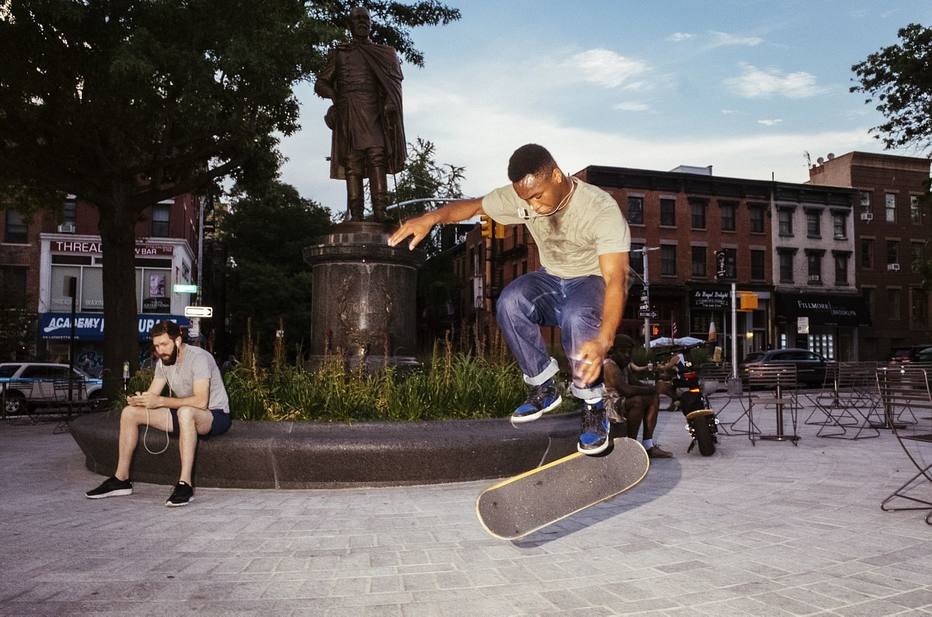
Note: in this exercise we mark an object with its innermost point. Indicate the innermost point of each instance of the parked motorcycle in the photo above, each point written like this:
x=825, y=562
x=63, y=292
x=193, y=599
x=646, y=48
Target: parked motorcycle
x=701, y=421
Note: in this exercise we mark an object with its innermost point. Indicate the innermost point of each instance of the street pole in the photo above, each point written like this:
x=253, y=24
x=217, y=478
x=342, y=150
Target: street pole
x=647, y=295
x=734, y=332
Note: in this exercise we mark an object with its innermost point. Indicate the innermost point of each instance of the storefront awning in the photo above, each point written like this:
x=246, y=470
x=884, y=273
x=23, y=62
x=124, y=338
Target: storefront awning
x=824, y=309
x=90, y=326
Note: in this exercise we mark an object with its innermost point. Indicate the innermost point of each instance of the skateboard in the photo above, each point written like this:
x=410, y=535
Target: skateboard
x=515, y=507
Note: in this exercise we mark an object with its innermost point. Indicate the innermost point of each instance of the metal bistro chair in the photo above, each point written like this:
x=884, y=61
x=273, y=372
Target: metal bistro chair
x=848, y=402
x=68, y=395
x=890, y=413
x=905, y=390
x=717, y=377
x=772, y=387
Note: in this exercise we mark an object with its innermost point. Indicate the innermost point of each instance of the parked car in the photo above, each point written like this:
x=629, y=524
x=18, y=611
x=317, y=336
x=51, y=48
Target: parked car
x=912, y=353
x=25, y=386
x=810, y=366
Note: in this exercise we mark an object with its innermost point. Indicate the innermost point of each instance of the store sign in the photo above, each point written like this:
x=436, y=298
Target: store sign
x=156, y=305
x=78, y=247
x=716, y=299
x=90, y=326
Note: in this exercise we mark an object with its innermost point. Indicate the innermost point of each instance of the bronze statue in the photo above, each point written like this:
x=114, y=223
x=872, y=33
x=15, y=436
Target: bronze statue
x=364, y=81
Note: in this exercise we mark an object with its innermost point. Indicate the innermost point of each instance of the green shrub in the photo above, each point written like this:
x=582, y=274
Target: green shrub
x=454, y=385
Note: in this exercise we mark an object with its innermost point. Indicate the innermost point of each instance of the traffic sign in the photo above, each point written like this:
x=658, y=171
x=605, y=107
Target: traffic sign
x=184, y=288
x=198, y=311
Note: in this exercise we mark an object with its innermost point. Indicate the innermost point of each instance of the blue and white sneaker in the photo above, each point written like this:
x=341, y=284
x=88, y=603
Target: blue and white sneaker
x=595, y=429
x=543, y=398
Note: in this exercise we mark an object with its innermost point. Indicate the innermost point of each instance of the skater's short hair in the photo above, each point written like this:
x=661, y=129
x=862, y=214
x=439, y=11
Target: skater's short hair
x=529, y=159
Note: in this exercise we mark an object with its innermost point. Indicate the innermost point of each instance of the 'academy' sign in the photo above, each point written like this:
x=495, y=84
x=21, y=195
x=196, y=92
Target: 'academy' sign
x=90, y=326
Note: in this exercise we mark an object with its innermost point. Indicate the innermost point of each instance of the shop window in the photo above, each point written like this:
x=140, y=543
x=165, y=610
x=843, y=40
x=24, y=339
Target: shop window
x=697, y=214
x=915, y=213
x=889, y=202
x=868, y=294
x=866, y=202
x=60, y=301
x=841, y=269
x=839, y=225
x=918, y=307
x=636, y=258
x=727, y=211
x=92, y=290
x=757, y=265
x=668, y=212
x=15, y=229
x=161, y=213
x=814, y=267
x=893, y=252
x=786, y=266
x=756, y=214
x=668, y=260
x=814, y=223
x=867, y=254
x=785, y=221
x=916, y=255
x=699, y=268
x=12, y=286
x=894, y=301
x=636, y=210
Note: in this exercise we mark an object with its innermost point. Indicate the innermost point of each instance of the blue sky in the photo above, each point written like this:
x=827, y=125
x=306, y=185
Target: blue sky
x=746, y=86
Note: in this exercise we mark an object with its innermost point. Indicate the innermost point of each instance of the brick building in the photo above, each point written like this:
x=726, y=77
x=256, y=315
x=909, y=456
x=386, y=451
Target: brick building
x=892, y=231
x=790, y=245
x=38, y=256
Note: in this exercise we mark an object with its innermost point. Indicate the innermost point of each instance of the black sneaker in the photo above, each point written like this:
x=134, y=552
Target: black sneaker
x=111, y=487
x=594, y=437
x=181, y=496
x=543, y=398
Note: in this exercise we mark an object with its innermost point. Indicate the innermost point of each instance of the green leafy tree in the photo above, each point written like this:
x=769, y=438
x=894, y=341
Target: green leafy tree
x=125, y=104
x=265, y=234
x=899, y=78
x=424, y=178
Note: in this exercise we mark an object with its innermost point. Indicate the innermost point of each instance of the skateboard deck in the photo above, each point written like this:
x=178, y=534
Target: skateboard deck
x=515, y=507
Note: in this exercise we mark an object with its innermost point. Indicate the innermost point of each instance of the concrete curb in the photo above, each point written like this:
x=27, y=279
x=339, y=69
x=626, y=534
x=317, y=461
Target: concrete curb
x=315, y=455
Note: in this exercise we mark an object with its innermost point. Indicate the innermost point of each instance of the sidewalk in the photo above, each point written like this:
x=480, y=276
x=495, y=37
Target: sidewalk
x=766, y=530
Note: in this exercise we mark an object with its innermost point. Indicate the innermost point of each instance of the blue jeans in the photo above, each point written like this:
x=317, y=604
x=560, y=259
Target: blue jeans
x=540, y=299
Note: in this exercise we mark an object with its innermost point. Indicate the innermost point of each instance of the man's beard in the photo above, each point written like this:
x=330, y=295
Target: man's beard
x=172, y=358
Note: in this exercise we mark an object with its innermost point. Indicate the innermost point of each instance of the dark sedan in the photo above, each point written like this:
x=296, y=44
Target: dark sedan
x=810, y=366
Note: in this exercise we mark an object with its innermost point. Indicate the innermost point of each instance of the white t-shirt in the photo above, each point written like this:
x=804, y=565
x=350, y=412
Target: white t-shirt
x=193, y=364
x=569, y=242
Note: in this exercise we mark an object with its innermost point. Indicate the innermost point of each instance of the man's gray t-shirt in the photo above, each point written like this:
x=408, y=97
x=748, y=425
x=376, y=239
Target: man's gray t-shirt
x=569, y=242
x=194, y=364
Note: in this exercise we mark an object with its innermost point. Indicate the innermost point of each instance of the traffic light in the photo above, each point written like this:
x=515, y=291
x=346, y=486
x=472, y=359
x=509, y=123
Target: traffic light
x=748, y=301
x=499, y=231
x=485, y=224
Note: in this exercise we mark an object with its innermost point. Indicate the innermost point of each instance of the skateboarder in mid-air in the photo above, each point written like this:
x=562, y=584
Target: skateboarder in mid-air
x=583, y=241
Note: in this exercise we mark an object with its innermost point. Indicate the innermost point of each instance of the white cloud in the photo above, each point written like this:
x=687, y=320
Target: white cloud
x=730, y=112
x=607, y=68
x=756, y=83
x=725, y=39
x=632, y=106
x=679, y=37
x=770, y=121
x=481, y=133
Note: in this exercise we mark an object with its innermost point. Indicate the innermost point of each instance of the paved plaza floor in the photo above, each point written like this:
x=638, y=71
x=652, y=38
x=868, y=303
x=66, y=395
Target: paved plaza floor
x=766, y=530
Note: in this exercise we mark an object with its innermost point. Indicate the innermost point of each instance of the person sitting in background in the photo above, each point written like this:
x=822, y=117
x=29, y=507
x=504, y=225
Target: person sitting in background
x=638, y=403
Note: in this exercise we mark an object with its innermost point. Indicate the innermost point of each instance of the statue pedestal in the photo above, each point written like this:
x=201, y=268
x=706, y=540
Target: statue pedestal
x=363, y=296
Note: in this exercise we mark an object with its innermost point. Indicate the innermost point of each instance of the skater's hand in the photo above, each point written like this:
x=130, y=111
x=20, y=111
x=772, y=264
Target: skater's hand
x=591, y=354
x=417, y=227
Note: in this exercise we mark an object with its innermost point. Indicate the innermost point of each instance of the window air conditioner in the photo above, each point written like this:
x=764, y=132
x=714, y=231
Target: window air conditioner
x=867, y=216
x=893, y=267
x=66, y=228
x=815, y=278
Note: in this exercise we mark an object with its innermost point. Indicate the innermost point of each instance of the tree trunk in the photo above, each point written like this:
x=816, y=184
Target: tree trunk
x=118, y=235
